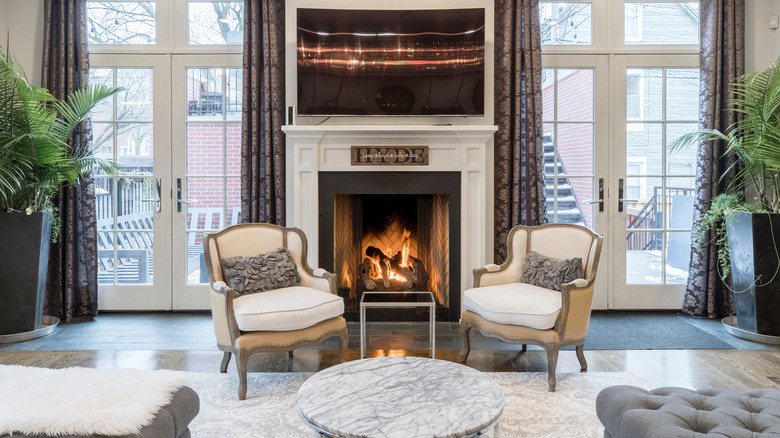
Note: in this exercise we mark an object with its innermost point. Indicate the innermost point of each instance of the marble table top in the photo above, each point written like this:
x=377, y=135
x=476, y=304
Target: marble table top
x=400, y=397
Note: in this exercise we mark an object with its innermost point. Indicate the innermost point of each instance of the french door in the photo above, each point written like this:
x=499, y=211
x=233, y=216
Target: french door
x=206, y=165
x=607, y=122
x=656, y=101
x=576, y=129
x=176, y=131
x=132, y=208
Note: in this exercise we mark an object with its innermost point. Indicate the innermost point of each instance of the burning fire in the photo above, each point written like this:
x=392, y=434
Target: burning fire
x=376, y=261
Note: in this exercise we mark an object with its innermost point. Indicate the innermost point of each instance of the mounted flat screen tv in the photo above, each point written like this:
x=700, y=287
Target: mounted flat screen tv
x=391, y=62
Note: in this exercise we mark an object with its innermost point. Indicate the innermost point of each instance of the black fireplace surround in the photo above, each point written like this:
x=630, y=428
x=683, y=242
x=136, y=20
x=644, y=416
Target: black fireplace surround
x=394, y=183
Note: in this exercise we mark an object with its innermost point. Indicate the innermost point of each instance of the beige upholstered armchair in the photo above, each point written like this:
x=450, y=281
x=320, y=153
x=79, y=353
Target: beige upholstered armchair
x=276, y=320
x=500, y=305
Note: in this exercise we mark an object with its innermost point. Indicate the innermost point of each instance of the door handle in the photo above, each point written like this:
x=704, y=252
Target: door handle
x=180, y=201
x=158, y=201
x=621, y=200
x=599, y=201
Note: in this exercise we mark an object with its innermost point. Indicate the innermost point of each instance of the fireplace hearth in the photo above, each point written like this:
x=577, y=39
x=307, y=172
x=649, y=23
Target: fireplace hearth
x=392, y=232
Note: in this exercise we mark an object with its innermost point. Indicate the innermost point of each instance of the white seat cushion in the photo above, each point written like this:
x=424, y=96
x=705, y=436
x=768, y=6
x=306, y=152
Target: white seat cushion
x=289, y=308
x=516, y=304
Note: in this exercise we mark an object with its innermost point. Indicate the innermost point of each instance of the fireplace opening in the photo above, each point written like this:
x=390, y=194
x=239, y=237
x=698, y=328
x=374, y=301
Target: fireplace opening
x=391, y=241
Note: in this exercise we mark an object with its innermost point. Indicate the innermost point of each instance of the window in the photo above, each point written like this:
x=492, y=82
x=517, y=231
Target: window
x=633, y=22
x=122, y=131
x=137, y=23
x=634, y=95
x=215, y=23
x=181, y=110
x=565, y=23
x=121, y=22
x=568, y=141
x=642, y=55
x=654, y=23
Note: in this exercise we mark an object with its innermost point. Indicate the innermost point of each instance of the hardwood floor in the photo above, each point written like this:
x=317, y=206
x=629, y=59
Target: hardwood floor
x=738, y=370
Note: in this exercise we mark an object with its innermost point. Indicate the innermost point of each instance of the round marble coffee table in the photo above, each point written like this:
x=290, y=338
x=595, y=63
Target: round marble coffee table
x=401, y=397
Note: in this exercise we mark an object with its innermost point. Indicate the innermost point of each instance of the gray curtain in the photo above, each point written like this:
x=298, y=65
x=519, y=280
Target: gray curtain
x=722, y=61
x=262, y=140
x=519, y=171
x=71, y=288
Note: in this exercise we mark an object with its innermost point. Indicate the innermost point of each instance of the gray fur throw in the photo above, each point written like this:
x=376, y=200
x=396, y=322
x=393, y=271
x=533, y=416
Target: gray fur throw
x=550, y=273
x=272, y=270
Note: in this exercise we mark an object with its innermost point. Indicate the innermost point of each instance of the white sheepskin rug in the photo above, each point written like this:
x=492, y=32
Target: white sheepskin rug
x=82, y=401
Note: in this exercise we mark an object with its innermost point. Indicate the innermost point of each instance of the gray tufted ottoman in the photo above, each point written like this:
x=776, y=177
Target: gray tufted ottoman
x=631, y=412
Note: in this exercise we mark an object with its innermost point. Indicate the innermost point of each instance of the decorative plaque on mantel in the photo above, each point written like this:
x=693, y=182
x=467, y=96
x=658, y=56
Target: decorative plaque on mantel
x=389, y=155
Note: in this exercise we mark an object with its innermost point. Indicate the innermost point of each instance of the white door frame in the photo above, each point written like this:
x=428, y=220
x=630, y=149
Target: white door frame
x=154, y=296
x=623, y=295
x=600, y=65
x=186, y=296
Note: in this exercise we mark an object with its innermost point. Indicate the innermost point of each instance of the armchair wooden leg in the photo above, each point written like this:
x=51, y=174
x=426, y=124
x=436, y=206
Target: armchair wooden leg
x=465, y=330
x=343, y=340
x=525, y=348
x=242, y=359
x=581, y=358
x=225, y=361
x=552, y=363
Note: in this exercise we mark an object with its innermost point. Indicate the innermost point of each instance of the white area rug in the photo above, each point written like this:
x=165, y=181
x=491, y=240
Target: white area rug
x=82, y=401
x=529, y=410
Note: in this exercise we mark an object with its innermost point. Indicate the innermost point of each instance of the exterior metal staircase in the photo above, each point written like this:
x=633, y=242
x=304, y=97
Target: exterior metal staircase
x=568, y=210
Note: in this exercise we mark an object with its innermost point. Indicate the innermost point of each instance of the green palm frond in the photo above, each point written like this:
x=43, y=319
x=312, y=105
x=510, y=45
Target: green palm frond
x=754, y=139
x=35, y=129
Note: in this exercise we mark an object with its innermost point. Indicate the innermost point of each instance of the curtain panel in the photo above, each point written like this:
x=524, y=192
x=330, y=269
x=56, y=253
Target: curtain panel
x=262, y=140
x=519, y=169
x=722, y=62
x=72, y=285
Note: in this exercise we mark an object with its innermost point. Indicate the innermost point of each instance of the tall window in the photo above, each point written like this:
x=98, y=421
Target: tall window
x=650, y=51
x=167, y=118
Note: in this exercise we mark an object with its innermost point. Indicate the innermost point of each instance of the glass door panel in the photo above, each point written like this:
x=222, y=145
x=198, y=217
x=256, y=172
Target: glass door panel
x=132, y=231
x=575, y=121
x=655, y=211
x=207, y=165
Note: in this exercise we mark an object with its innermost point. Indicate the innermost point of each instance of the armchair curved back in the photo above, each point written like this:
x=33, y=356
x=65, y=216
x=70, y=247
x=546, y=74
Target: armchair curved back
x=564, y=241
x=561, y=241
x=250, y=240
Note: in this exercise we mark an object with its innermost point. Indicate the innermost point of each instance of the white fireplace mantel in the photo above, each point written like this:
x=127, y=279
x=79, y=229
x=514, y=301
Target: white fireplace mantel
x=326, y=148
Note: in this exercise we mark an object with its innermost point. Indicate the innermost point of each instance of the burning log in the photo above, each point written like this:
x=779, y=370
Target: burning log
x=365, y=275
x=378, y=271
x=405, y=271
x=377, y=253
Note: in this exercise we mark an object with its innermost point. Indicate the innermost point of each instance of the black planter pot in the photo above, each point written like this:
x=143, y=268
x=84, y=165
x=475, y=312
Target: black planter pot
x=754, y=262
x=24, y=261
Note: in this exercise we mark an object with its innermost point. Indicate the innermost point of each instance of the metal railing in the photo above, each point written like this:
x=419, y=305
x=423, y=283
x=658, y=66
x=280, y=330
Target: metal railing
x=651, y=216
x=129, y=193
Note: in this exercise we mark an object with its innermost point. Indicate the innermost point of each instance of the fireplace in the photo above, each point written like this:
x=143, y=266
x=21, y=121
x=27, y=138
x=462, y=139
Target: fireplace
x=392, y=232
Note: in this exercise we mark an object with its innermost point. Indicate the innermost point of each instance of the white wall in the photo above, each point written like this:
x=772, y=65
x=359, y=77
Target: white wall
x=24, y=20
x=762, y=43
x=2, y=26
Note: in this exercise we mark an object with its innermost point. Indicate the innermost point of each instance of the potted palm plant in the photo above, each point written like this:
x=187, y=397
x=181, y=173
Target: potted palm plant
x=35, y=159
x=745, y=220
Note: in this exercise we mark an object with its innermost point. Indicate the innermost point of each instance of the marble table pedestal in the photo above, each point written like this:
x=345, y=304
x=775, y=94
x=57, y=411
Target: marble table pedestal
x=401, y=397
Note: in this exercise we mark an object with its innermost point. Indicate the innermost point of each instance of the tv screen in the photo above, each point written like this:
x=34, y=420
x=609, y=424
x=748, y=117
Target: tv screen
x=391, y=62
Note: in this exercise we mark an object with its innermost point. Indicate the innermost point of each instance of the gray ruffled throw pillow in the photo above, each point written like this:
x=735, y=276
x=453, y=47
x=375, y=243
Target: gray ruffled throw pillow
x=550, y=273
x=272, y=270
